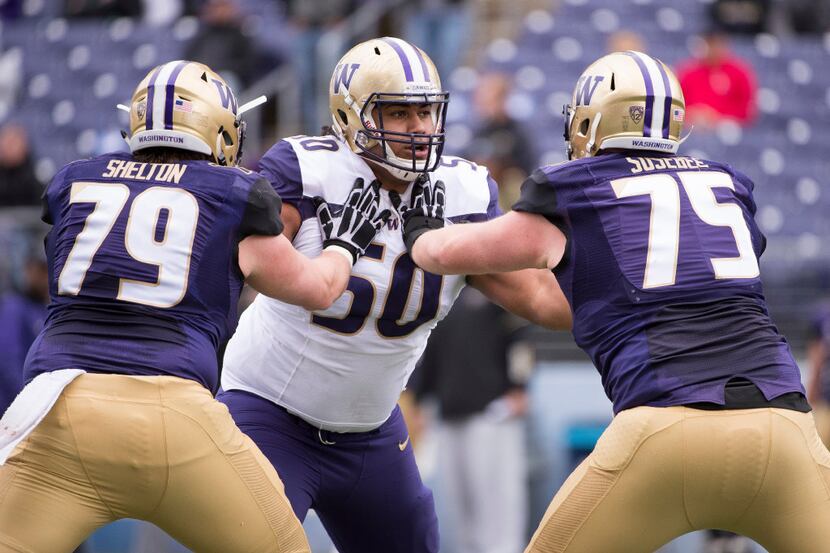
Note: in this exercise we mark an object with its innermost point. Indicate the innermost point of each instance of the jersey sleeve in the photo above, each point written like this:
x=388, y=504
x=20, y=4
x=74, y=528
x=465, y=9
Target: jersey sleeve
x=744, y=191
x=261, y=215
x=493, y=209
x=50, y=192
x=539, y=196
x=282, y=169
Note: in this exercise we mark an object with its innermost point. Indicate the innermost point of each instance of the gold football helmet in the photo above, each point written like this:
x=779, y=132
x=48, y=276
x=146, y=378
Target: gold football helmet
x=387, y=71
x=186, y=105
x=625, y=100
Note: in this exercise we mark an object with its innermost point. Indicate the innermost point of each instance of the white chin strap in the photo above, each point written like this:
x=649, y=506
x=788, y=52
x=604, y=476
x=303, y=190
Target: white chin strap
x=403, y=174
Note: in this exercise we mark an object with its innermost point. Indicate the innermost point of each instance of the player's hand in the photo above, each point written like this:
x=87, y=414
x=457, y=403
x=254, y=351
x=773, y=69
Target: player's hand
x=357, y=223
x=426, y=212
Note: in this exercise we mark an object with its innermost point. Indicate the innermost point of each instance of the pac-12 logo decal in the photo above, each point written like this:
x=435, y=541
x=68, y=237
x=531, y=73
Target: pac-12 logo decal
x=636, y=113
x=141, y=110
x=586, y=87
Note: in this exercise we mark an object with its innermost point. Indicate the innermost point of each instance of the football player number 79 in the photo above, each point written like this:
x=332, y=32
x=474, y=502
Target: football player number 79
x=664, y=225
x=170, y=251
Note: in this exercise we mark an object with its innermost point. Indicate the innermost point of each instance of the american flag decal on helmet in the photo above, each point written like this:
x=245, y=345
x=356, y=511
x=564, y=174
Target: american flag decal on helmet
x=183, y=105
x=678, y=114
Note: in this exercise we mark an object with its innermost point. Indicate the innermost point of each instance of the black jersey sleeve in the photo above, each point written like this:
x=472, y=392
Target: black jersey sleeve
x=262, y=211
x=539, y=196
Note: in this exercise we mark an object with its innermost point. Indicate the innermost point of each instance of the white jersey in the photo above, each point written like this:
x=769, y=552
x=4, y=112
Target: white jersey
x=343, y=369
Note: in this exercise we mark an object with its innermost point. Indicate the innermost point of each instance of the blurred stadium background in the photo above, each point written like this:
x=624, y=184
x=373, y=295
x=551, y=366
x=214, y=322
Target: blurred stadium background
x=66, y=63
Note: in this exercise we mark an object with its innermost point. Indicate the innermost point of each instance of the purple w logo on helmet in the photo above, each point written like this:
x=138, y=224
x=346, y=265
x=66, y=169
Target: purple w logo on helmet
x=343, y=75
x=225, y=95
x=585, y=89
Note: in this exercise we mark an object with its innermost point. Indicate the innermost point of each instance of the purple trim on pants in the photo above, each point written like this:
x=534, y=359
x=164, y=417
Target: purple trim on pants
x=366, y=490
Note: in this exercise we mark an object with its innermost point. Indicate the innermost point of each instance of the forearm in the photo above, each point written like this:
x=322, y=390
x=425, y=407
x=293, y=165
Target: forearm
x=510, y=242
x=451, y=250
x=274, y=268
x=333, y=271
x=533, y=294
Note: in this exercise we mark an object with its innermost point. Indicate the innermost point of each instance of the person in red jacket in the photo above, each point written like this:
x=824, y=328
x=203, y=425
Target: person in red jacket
x=717, y=84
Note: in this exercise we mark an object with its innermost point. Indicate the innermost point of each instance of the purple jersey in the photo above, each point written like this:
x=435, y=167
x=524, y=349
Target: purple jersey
x=661, y=272
x=143, y=271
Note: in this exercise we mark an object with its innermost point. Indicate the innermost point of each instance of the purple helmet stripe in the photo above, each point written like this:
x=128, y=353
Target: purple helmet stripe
x=151, y=88
x=667, y=103
x=171, y=89
x=422, y=60
x=407, y=69
x=649, y=94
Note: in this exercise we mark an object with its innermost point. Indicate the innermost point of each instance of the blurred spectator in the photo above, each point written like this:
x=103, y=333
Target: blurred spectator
x=314, y=61
x=741, y=16
x=624, y=40
x=11, y=67
x=818, y=386
x=22, y=314
x=499, y=142
x=18, y=183
x=717, y=84
x=162, y=12
x=808, y=16
x=103, y=8
x=222, y=44
x=439, y=27
x=480, y=427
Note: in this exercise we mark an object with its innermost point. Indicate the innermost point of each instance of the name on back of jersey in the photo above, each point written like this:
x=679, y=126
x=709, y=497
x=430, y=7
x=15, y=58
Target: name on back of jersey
x=133, y=170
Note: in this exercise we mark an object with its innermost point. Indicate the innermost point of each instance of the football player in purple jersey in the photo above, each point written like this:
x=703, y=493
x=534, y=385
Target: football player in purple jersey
x=658, y=256
x=147, y=255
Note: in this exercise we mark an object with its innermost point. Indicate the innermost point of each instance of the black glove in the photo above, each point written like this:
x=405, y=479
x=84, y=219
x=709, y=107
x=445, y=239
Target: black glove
x=356, y=225
x=427, y=211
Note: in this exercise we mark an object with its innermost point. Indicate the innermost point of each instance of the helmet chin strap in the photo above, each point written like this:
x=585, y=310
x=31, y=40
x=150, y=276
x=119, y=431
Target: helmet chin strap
x=404, y=174
x=398, y=173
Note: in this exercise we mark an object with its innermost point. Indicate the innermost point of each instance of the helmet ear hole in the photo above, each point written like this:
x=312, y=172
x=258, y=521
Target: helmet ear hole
x=343, y=117
x=226, y=136
x=583, y=127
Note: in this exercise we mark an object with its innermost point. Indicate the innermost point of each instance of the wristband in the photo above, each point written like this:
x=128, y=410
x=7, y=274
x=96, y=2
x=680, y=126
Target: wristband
x=342, y=251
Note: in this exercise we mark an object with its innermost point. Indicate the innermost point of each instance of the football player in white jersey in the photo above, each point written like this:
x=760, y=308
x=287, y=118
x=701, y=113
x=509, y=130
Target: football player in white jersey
x=317, y=391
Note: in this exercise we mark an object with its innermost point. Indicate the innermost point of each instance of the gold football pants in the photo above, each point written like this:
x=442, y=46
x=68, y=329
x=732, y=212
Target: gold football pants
x=159, y=449
x=658, y=473
x=821, y=412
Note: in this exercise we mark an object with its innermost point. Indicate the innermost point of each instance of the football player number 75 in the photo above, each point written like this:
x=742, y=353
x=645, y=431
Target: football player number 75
x=170, y=251
x=664, y=225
